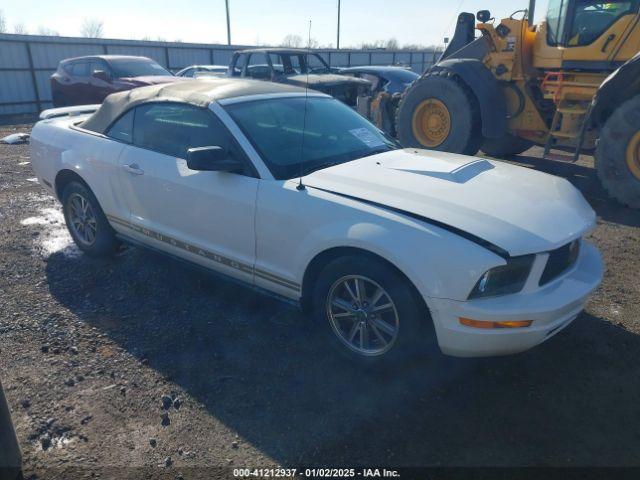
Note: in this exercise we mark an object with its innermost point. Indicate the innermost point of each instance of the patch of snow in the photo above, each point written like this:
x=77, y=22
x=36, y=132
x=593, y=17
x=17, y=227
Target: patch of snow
x=15, y=138
x=24, y=163
x=54, y=236
x=34, y=179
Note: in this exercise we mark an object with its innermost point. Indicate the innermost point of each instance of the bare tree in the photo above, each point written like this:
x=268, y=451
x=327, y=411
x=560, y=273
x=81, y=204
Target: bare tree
x=47, y=31
x=92, y=28
x=3, y=23
x=392, y=44
x=20, y=29
x=293, y=41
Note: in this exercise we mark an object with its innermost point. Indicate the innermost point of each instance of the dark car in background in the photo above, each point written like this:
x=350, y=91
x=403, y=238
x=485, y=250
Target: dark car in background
x=383, y=79
x=297, y=67
x=388, y=83
x=88, y=80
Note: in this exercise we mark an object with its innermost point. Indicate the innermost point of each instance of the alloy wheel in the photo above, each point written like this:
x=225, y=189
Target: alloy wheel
x=82, y=219
x=362, y=315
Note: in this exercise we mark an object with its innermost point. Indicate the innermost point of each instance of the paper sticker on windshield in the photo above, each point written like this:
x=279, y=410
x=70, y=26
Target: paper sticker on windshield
x=366, y=137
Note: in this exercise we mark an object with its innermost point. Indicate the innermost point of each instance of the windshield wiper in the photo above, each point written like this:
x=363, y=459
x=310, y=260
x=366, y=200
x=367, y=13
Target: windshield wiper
x=354, y=156
x=376, y=151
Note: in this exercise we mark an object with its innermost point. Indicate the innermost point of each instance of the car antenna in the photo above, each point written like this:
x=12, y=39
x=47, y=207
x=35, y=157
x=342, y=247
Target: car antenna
x=304, y=117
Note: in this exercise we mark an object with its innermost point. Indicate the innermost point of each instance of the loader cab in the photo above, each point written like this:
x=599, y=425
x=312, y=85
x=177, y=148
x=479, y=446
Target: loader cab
x=577, y=23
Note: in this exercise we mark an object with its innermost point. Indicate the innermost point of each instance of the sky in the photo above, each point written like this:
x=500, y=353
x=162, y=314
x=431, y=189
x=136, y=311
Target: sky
x=256, y=22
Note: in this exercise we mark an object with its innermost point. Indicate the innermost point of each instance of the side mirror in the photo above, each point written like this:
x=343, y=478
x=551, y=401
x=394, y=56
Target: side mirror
x=212, y=159
x=483, y=16
x=101, y=75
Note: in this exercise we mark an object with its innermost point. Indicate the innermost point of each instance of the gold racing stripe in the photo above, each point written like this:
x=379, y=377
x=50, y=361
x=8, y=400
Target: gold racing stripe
x=205, y=253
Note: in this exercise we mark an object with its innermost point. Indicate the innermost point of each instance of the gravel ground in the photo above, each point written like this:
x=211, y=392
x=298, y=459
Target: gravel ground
x=143, y=365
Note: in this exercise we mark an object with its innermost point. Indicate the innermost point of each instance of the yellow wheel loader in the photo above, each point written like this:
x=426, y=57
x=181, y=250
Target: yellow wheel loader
x=570, y=83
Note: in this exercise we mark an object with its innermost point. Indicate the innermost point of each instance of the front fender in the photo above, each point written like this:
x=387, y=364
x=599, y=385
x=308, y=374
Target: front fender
x=618, y=87
x=493, y=106
x=439, y=263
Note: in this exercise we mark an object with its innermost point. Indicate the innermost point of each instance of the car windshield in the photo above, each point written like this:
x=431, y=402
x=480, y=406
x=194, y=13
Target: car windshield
x=136, y=68
x=332, y=132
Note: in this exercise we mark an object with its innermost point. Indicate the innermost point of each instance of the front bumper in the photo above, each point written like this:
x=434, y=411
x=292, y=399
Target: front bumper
x=551, y=307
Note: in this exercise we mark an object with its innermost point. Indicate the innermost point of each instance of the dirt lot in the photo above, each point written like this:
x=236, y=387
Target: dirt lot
x=88, y=349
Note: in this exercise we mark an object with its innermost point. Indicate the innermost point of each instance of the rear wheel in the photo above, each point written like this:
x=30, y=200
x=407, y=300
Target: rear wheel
x=439, y=112
x=618, y=154
x=368, y=311
x=86, y=221
x=505, y=146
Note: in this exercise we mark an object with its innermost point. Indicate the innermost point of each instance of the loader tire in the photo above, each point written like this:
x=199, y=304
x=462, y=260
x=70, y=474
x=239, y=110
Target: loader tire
x=505, y=146
x=440, y=112
x=618, y=154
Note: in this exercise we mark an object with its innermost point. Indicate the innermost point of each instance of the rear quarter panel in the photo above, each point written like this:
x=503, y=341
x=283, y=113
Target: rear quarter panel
x=57, y=145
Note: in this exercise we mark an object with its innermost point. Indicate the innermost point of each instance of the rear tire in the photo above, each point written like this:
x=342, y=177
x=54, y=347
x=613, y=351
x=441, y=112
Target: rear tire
x=86, y=221
x=505, y=146
x=618, y=154
x=439, y=112
x=391, y=335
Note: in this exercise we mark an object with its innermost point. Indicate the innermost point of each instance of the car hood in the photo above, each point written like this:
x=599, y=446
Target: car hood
x=325, y=79
x=152, y=79
x=520, y=210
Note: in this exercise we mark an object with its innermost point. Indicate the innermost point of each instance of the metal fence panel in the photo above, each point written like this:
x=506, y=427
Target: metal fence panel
x=360, y=58
x=183, y=57
x=403, y=58
x=339, y=59
x=27, y=62
x=16, y=86
x=16, y=93
x=43, y=84
x=13, y=55
x=222, y=56
x=382, y=58
x=48, y=55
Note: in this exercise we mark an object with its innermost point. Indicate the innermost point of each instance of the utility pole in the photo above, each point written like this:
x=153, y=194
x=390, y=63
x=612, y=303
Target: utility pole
x=338, y=40
x=226, y=2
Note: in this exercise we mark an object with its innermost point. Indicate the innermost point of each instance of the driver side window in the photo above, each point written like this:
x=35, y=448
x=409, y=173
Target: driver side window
x=174, y=128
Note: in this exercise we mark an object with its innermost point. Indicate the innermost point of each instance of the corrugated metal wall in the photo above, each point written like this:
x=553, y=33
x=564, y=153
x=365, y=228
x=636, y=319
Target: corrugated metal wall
x=27, y=62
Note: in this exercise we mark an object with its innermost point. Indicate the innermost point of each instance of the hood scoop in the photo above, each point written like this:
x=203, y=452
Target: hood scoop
x=443, y=171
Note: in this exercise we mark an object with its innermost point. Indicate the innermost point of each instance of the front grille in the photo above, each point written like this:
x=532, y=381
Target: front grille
x=560, y=260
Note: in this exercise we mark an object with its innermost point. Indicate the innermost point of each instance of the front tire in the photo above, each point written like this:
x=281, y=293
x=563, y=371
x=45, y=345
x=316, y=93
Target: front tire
x=618, y=154
x=368, y=311
x=86, y=221
x=439, y=112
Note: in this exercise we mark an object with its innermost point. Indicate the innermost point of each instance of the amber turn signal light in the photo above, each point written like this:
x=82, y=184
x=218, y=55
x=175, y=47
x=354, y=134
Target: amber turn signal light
x=489, y=324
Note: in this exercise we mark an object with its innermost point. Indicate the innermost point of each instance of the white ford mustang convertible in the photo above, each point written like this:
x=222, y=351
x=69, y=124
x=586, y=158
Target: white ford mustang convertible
x=295, y=193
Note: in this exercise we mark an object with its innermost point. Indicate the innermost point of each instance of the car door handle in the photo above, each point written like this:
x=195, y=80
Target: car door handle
x=133, y=169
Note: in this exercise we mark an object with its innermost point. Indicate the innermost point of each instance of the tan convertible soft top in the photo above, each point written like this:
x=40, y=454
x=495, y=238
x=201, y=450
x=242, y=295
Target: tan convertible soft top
x=199, y=92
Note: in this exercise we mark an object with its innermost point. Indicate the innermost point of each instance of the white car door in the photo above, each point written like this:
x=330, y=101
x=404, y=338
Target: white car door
x=204, y=216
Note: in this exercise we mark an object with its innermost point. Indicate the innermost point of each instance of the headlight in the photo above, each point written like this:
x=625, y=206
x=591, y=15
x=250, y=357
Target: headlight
x=509, y=278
